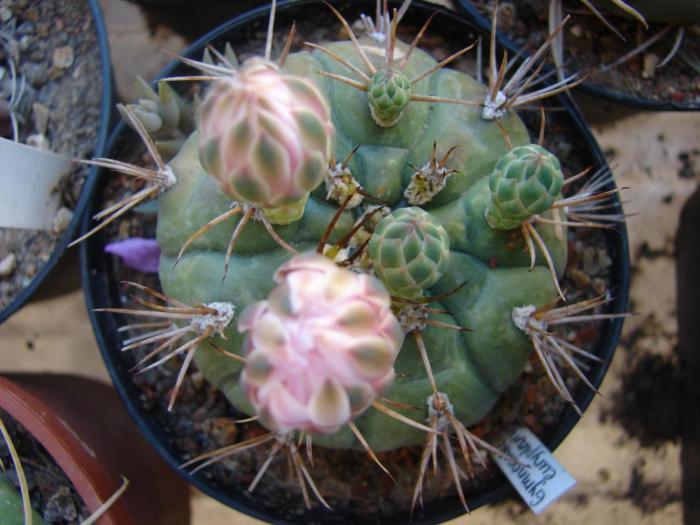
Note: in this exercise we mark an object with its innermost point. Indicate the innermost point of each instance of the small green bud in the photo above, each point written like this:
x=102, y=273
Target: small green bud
x=525, y=182
x=389, y=93
x=409, y=250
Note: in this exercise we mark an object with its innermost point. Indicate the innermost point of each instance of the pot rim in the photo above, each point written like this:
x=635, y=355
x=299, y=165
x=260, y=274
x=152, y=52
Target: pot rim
x=595, y=90
x=74, y=457
x=106, y=104
x=98, y=291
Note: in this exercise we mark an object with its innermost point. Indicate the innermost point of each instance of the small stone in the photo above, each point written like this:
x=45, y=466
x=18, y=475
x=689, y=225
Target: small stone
x=63, y=57
x=24, y=42
x=77, y=72
x=581, y=280
x=39, y=140
x=41, y=117
x=36, y=74
x=599, y=285
x=8, y=265
x=576, y=31
x=223, y=430
x=5, y=14
x=31, y=14
x=29, y=269
x=60, y=506
x=197, y=380
x=650, y=63
x=43, y=29
x=62, y=219
x=604, y=259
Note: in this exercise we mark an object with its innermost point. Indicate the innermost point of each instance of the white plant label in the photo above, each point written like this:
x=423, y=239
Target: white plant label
x=29, y=179
x=538, y=477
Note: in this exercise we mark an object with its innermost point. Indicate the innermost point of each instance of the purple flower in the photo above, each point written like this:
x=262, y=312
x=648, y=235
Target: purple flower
x=137, y=253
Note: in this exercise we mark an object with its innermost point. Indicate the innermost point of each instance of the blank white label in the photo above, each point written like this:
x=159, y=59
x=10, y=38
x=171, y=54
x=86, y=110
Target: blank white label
x=29, y=179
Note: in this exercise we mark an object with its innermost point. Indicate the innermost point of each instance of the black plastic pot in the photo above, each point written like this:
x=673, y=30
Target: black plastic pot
x=106, y=105
x=102, y=289
x=590, y=88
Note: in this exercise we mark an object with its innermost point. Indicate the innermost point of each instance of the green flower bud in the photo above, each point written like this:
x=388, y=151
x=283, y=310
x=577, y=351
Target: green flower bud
x=409, y=250
x=525, y=182
x=389, y=93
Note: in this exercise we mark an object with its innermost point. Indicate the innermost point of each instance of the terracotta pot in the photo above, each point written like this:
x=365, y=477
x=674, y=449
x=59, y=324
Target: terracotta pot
x=84, y=427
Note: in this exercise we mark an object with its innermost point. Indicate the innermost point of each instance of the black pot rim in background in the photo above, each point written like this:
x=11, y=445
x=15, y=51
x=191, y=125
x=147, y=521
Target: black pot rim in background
x=67, y=236
x=595, y=90
x=101, y=291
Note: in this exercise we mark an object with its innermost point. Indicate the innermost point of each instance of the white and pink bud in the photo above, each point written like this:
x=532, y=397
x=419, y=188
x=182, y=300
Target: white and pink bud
x=321, y=348
x=266, y=136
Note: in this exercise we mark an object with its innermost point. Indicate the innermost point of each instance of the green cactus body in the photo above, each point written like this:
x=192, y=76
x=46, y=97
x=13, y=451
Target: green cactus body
x=11, y=510
x=472, y=368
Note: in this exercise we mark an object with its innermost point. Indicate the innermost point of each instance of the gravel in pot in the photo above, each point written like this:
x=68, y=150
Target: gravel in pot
x=62, y=101
x=644, y=81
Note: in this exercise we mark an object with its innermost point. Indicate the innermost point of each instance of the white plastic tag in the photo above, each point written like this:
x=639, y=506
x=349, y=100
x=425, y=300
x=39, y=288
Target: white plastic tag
x=29, y=178
x=538, y=477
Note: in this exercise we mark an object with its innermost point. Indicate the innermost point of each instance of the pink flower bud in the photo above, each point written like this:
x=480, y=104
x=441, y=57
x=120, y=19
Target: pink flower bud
x=265, y=136
x=321, y=348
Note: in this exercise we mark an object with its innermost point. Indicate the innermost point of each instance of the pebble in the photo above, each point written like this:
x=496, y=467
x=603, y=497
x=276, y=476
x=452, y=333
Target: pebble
x=8, y=265
x=5, y=14
x=43, y=29
x=24, y=42
x=599, y=285
x=63, y=57
x=650, y=63
x=62, y=219
x=36, y=74
x=223, y=430
x=41, y=117
x=60, y=506
x=31, y=14
x=39, y=140
x=29, y=269
x=581, y=280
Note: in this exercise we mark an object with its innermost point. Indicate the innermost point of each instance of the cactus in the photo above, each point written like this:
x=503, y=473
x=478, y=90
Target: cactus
x=265, y=137
x=409, y=251
x=309, y=344
x=351, y=339
x=525, y=182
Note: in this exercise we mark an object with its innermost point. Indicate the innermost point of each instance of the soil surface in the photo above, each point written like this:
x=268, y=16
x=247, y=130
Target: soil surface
x=51, y=493
x=53, y=46
x=589, y=44
x=203, y=420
